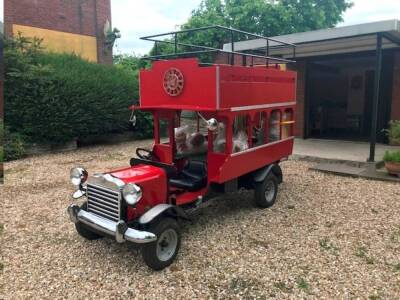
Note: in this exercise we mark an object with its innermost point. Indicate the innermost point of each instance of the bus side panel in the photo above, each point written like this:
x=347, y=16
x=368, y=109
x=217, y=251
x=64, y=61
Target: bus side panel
x=250, y=160
x=243, y=86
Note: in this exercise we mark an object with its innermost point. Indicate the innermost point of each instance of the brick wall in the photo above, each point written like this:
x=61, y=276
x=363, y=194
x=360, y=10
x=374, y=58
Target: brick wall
x=85, y=17
x=395, y=112
x=103, y=13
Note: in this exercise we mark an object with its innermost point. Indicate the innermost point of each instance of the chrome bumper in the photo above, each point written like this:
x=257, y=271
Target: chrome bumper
x=119, y=230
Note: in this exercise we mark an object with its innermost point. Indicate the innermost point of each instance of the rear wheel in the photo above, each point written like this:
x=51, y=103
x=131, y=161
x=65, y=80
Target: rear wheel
x=265, y=192
x=161, y=253
x=84, y=231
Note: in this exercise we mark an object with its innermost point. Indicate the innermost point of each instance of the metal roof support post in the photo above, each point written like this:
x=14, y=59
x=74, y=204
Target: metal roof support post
x=375, y=105
x=176, y=43
x=232, y=48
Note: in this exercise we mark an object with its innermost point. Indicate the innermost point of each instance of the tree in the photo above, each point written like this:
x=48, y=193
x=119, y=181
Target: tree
x=264, y=17
x=270, y=17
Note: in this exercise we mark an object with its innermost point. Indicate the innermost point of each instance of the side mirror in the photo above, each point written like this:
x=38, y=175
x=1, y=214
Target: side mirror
x=212, y=124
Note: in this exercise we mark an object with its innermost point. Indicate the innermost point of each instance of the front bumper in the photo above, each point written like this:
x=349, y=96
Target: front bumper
x=119, y=230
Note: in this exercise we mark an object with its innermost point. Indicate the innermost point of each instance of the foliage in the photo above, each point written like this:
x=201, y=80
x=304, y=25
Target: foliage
x=393, y=132
x=302, y=284
x=264, y=17
x=1, y=142
x=132, y=63
x=13, y=145
x=393, y=156
x=53, y=98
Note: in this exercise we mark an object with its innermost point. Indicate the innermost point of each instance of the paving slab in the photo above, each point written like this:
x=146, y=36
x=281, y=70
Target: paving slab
x=355, y=153
x=343, y=169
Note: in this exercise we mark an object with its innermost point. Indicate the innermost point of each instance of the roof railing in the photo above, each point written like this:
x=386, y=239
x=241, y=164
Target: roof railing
x=205, y=49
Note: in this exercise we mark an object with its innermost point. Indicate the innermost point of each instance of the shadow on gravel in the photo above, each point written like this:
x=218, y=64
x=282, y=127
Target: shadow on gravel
x=216, y=212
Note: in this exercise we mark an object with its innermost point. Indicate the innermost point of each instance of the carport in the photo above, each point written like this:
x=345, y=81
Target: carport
x=348, y=79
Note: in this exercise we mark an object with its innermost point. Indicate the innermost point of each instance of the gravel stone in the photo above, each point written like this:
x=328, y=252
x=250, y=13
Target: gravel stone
x=326, y=237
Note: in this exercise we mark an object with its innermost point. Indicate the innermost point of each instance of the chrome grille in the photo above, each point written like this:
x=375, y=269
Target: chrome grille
x=103, y=202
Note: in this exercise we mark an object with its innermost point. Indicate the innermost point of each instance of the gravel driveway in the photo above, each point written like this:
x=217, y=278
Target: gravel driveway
x=326, y=237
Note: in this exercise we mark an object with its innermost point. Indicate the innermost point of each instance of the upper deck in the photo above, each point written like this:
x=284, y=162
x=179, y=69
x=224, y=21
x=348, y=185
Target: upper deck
x=175, y=81
x=185, y=84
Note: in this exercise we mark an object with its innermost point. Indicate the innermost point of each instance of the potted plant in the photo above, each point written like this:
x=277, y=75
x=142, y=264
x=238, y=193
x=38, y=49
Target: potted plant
x=393, y=132
x=392, y=162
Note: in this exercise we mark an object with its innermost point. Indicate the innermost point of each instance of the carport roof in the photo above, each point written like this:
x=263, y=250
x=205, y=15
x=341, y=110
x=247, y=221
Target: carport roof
x=346, y=39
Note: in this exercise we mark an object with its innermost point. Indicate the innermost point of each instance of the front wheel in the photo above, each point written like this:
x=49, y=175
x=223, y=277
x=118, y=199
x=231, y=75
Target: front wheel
x=161, y=253
x=265, y=192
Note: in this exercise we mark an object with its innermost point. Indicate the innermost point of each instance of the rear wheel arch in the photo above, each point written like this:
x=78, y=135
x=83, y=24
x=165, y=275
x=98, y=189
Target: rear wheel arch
x=261, y=174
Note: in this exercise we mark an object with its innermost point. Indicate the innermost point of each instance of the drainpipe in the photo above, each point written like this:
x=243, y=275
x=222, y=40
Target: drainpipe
x=375, y=104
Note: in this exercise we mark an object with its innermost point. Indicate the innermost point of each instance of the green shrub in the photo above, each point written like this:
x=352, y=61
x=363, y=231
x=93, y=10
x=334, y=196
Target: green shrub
x=393, y=132
x=392, y=156
x=1, y=143
x=14, y=146
x=53, y=98
x=132, y=63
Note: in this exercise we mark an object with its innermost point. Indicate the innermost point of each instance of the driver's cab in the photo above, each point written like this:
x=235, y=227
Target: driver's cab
x=183, y=139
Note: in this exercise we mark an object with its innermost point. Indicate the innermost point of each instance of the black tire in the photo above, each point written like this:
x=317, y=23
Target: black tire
x=156, y=255
x=265, y=192
x=84, y=231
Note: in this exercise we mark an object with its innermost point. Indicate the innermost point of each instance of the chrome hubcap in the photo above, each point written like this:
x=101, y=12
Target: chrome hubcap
x=269, y=191
x=166, y=244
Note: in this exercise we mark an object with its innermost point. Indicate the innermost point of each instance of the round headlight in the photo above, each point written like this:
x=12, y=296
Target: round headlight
x=132, y=193
x=78, y=176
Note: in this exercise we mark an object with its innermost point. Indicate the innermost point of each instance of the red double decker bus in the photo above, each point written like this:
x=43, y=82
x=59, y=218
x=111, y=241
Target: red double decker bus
x=218, y=128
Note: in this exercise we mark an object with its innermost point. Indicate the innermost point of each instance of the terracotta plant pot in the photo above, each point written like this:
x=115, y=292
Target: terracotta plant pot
x=393, y=168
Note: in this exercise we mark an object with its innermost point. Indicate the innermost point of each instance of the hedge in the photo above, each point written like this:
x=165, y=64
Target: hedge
x=53, y=98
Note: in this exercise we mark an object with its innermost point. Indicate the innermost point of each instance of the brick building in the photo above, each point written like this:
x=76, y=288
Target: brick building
x=74, y=26
x=336, y=78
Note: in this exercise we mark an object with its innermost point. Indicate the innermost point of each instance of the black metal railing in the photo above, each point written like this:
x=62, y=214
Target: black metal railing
x=270, y=44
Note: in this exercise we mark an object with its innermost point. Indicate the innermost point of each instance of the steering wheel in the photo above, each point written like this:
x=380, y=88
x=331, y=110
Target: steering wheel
x=148, y=154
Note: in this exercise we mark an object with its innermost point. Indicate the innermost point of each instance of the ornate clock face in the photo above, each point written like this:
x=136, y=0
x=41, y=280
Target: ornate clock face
x=173, y=82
